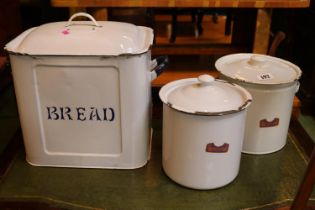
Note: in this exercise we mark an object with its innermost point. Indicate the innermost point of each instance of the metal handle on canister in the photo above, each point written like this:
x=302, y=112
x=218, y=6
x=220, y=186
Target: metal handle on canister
x=158, y=65
x=297, y=86
x=84, y=15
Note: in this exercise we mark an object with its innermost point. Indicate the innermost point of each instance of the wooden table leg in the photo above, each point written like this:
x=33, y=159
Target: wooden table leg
x=262, y=31
x=243, y=29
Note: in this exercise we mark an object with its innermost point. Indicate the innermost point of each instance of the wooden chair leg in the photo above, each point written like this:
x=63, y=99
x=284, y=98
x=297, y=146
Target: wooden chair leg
x=306, y=187
x=277, y=39
x=228, y=23
x=200, y=15
x=174, y=26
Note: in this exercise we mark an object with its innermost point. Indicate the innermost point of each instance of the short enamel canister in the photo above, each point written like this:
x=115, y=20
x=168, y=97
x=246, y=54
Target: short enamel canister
x=273, y=83
x=83, y=91
x=203, y=130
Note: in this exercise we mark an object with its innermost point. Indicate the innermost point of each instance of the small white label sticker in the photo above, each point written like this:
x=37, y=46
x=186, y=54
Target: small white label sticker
x=265, y=76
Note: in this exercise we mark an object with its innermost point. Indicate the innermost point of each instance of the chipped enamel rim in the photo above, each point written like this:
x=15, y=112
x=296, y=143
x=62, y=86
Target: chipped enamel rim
x=168, y=88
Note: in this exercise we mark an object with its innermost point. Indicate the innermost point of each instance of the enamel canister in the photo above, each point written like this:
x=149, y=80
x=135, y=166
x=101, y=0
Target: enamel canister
x=203, y=130
x=273, y=83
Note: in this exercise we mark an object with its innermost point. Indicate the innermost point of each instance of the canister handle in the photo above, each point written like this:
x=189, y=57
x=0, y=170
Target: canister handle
x=79, y=14
x=158, y=65
x=297, y=86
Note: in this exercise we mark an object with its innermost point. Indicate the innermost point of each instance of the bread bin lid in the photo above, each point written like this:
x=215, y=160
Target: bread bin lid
x=258, y=69
x=205, y=96
x=91, y=37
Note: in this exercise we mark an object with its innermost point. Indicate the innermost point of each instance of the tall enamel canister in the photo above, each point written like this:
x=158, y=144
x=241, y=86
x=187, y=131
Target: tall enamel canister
x=83, y=93
x=203, y=130
x=273, y=83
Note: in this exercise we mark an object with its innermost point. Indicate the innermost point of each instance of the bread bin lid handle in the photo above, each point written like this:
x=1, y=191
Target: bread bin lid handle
x=82, y=14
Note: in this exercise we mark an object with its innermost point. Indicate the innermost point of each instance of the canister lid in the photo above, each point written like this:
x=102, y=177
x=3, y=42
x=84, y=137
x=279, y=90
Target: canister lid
x=205, y=96
x=258, y=69
x=83, y=38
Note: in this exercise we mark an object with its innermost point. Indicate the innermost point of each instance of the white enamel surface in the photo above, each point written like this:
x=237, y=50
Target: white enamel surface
x=206, y=80
x=184, y=156
x=83, y=38
x=88, y=139
x=204, y=95
x=269, y=102
x=258, y=69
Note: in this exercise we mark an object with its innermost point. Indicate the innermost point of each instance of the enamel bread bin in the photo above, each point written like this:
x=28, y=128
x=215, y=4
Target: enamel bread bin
x=83, y=93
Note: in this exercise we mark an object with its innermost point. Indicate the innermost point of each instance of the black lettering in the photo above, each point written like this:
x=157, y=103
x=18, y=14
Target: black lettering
x=80, y=112
x=83, y=113
x=265, y=76
x=94, y=114
x=52, y=113
x=104, y=112
x=112, y=114
x=67, y=112
x=61, y=113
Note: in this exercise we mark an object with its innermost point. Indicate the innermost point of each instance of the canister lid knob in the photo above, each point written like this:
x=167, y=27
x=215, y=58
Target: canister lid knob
x=205, y=79
x=256, y=60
